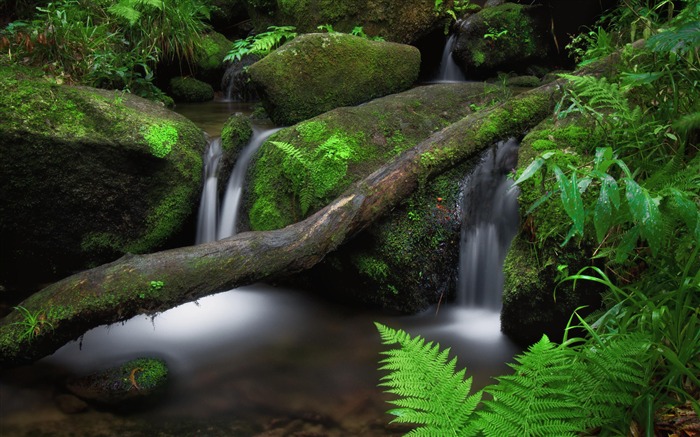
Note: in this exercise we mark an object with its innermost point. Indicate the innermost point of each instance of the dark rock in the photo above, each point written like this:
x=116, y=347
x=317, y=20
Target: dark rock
x=70, y=404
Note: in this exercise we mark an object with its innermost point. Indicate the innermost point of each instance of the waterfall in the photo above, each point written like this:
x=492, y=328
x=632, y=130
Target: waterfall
x=490, y=221
x=234, y=189
x=449, y=71
x=208, y=206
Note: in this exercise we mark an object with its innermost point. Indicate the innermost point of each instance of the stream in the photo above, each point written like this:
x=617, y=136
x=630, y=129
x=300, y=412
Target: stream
x=255, y=361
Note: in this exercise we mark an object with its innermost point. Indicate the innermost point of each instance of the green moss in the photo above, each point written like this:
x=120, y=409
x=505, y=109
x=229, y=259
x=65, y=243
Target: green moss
x=235, y=133
x=215, y=46
x=161, y=138
x=189, y=89
x=478, y=57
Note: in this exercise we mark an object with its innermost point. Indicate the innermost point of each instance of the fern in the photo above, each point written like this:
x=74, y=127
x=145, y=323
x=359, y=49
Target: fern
x=537, y=399
x=555, y=390
x=431, y=394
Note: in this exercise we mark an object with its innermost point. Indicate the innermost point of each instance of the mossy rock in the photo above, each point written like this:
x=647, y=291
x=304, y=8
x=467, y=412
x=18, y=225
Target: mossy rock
x=345, y=145
x=406, y=261
x=190, y=90
x=394, y=20
x=315, y=73
x=235, y=135
x=87, y=175
x=534, y=302
x=508, y=37
x=210, y=60
x=136, y=380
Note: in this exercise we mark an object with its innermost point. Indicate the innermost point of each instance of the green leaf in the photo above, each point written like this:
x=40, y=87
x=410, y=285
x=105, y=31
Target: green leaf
x=571, y=200
x=533, y=167
x=645, y=212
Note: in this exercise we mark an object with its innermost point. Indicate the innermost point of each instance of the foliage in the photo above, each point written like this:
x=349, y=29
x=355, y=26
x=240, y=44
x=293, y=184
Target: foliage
x=357, y=31
x=314, y=174
x=32, y=323
x=108, y=45
x=261, y=44
x=430, y=392
x=555, y=389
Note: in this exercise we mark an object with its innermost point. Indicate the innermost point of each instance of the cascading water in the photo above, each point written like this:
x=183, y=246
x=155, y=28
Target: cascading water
x=208, y=206
x=449, y=71
x=214, y=224
x=234, y=189
x=490, y=211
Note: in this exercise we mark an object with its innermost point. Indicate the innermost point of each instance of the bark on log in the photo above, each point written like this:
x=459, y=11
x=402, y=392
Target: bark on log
x=132, y=285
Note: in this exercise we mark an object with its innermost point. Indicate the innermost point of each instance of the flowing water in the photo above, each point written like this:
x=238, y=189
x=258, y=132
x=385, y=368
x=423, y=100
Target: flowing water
x=254, y=361
x=448, y=70
x=228, y=220
x=490, y=207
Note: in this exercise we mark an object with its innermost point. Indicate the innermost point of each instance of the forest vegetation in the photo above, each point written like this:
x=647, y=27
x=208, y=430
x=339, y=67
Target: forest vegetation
x=626, y=368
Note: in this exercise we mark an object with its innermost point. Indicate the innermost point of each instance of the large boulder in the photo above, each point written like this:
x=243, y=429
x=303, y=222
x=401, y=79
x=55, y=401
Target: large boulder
x=317, y=72
x=508, y=37
x=405, y=261
x=394, y=20
x=87, y=175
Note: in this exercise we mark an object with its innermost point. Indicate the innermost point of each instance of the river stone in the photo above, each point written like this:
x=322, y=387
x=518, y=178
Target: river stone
x=508, y=37
x=87, y=175
x=394, y=20
x=317, y=72
x=137, y=379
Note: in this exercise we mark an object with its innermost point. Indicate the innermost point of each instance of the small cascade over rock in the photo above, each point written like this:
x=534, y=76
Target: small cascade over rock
x=216, y=223
x=490, y=221
x=234, y=189
x=208, y=206
x=449, y=71
x=236, y=82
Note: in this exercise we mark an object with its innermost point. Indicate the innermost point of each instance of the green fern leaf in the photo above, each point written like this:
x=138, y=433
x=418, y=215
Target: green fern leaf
x=431, y=394
x=536, y=400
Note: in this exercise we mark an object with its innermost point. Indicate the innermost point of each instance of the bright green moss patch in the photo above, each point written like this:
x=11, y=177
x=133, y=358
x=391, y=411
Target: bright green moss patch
x=161, y=138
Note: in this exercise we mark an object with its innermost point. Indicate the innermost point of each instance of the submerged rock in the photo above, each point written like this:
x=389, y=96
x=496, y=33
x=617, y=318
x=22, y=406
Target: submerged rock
x=137, y=379
x=87, y=175
x=317, y=72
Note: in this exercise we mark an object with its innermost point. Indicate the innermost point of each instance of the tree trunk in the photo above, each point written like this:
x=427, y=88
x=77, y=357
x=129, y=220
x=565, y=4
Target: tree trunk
x=137, y=284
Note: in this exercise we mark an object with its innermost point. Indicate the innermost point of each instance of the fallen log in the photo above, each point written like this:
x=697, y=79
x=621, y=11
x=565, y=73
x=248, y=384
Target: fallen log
x=148, y=284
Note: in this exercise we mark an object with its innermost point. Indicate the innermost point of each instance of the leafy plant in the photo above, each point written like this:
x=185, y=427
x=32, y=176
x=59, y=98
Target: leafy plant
x=555, y=389
x=261, y=44
x=32, y=323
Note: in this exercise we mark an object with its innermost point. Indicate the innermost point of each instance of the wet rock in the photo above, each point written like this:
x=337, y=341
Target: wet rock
x=189, y=90
x=134, y=380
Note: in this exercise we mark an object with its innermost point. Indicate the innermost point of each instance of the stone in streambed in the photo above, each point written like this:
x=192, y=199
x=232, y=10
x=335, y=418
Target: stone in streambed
x=138, y=379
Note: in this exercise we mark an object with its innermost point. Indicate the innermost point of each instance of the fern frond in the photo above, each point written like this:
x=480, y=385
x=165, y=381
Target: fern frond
x=431, y=394
x=681, y=40
x=537, y=399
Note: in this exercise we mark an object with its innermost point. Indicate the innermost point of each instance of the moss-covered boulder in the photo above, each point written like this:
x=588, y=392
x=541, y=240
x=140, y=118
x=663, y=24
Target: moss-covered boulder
x=190, y=90
x=235, y=134
x=87, y=175
x=136, y=380
x=317, y=72
x=508, y=37
x=406, y=261
x=393, y=20
x=210, y=59
x=534, y=300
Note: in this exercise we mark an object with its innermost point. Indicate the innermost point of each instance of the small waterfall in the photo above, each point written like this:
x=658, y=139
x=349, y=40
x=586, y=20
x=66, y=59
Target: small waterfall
x=234, y=189
x=214, y=224
x=208, y=206
x=449, y=71
x=490, y=211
